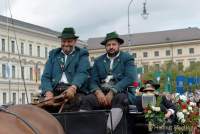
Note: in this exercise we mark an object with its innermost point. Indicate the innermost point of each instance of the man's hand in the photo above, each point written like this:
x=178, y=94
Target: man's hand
x=168, y=114
x=109, y=97
x=49, y=95
x=70, y=92
x=101, y=97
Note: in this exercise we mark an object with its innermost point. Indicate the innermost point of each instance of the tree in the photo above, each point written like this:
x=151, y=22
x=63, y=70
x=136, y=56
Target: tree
x=171, y=70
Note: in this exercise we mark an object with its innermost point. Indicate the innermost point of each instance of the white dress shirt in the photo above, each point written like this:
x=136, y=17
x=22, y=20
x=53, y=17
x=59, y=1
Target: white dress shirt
x=64, y=78
x=112, y=60
x=109, y=77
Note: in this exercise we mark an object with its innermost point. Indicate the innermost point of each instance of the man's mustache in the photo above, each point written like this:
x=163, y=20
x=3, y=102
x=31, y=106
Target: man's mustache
x=66, y=46
x=111, y=50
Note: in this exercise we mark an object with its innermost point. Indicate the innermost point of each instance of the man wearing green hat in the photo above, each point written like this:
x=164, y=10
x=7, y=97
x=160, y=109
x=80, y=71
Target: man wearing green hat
x=66, y=70
x=111, y=74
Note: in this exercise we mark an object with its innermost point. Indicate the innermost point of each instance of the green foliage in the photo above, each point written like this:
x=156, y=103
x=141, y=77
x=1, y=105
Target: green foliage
x=172, y=69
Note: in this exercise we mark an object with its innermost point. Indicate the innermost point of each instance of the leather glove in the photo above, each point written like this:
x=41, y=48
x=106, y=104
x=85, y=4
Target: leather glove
x=101, y=97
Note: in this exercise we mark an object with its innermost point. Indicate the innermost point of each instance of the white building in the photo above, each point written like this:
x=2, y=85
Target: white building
x=181, y=46
x=32, y=43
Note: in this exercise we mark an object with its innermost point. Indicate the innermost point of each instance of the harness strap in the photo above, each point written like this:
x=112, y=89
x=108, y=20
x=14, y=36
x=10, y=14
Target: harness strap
x=22, y=119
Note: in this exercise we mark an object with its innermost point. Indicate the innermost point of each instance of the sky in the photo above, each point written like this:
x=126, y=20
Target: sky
x=95, y=18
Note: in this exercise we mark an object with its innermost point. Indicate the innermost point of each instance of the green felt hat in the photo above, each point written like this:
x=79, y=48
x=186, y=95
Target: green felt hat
x=68, y=33
x=110, y=36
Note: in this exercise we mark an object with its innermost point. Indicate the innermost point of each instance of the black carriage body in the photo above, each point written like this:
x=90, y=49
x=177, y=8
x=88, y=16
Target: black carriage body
x=95, y=123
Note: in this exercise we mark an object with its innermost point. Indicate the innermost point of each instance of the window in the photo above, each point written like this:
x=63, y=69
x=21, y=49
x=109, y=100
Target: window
x=134, y=55
x=22, y=48
x=14, y=98
x=13, y=46
x=38, y=73
x=32, y=95
x=167, y=52
x=157, y=67
x=46, y=52
x=3, y=45
x=31, y=73
x=191, y=50
x=192, y=63
x=169, y=65
x=145, y=54
x=4, y=98
x=156, y=53
x=30, y=49
x=180, y=66
x=146, y=68
x=38, y=51
x=3, y=70
x=13, y=72
x=179, y=51
x=22, y=72
x=23, y=98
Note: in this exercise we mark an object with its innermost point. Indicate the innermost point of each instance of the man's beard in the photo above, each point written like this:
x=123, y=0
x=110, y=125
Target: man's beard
x=67, y=49
x=113, y=54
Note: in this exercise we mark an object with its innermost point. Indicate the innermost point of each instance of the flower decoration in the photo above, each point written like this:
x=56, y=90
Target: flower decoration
x=188, y=112
x=135, y=84
x=154, y=116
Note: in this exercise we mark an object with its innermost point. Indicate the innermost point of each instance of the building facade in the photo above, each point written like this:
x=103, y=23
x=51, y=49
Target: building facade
x=24, y=50
x=182, y=46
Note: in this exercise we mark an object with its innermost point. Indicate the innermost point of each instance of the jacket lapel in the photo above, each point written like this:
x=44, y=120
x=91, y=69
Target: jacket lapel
x=116, y=63
x=69, y=59
x=106, y=63
x=61, y=60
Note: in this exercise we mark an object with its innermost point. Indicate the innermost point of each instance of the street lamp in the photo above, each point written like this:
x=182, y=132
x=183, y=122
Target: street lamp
x=145, y=13
x=129, y=30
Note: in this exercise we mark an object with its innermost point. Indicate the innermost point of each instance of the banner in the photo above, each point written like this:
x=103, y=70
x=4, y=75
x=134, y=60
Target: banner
x=36, y=73
x=180, y=84
x=8, y=70
x=191, y=81
x=157, y=76
x=198, y=81
x=168, y=83
x=140, y=71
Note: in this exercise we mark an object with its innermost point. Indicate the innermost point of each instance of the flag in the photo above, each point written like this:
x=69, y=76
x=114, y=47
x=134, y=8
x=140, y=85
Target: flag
x=180, y=84
x=191, y=82
x=140, y=71
x=168, y=82
x=198, y=81
x=8, y=70
x=35, y=73
x=157, y=76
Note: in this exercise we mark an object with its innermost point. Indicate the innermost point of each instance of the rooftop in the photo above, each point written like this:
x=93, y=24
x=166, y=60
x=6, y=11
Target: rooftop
x=28, y=25
x=157, y=37
x=4, y=19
